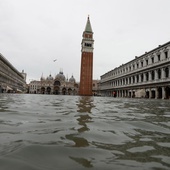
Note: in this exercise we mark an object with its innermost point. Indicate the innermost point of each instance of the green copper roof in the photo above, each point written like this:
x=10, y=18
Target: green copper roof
x=88, y=26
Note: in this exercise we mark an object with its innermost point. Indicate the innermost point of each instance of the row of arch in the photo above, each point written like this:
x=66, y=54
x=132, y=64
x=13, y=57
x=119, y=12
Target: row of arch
x=152, y=93
x=56, y=90
x=141, y=77
x=145, y=61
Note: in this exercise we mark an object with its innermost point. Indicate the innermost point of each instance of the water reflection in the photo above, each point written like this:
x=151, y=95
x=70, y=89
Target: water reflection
x=85, y=104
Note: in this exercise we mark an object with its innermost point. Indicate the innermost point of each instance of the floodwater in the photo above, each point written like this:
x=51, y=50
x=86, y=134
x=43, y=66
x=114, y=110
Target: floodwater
x=53, y=132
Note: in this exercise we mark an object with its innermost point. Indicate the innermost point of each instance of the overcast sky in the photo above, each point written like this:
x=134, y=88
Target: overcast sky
x=35, y=32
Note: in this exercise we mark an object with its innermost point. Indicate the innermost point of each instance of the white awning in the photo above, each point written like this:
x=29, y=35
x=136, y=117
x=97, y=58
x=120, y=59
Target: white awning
x=8, y=88
x=18, y=90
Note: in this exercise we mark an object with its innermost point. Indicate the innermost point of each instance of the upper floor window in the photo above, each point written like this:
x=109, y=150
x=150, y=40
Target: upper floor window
x=159, y=57
x=141, y=63
x=88, y=44
x=146, y=61
x=147, y=76
x=166, y=72
x=166, y=54
x=137, y=65
x=152, y=59
x=133, y=66
x=159, y=73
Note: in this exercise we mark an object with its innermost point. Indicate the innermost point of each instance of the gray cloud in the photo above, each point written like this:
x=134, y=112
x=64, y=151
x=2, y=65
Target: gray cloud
x=34, y=32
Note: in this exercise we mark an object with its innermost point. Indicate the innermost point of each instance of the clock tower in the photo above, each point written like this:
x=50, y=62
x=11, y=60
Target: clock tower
x=86, y=72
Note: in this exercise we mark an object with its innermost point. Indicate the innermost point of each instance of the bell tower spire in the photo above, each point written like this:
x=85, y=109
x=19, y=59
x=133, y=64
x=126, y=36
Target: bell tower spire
x=86, y=72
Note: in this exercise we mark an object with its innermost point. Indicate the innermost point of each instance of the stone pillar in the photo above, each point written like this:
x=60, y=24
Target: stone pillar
x=144, y=77
x=163, y=92
x=156, y=74
x=156, y=93
x=150, y=93
x=139, y=78
x=128, y=80
x=135, y=79
x=169, y=71
x=150, y=76
x=163, y=73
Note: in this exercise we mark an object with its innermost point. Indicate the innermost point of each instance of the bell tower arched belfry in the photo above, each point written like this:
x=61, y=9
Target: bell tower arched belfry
x=86, y=74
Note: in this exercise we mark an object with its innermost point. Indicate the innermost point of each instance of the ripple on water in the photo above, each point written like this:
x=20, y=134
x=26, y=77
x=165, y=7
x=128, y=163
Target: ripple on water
x=40, y=132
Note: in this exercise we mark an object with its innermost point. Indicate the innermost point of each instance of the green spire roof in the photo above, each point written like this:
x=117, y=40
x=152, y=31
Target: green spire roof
x=88, y=26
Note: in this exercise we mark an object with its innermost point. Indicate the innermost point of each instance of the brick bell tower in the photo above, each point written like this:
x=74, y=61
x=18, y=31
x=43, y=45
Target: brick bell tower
x=86, y=74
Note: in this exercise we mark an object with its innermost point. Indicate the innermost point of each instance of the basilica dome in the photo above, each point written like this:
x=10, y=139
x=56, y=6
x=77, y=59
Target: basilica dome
x=60, y=76
x=72, y=79
x=49, y=77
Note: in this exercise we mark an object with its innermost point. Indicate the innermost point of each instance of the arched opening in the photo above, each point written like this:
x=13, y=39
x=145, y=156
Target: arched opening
x=147, y=94
x=167, y=92
x=64, y=91
x=160, y=93
x=57, y=83
x=152, y=75
x=114, y=94
x=56, y=90
x=159, y=73
x=48, y=90
x=69, y=91
x=166, y=72
x=42, y=90
x=141, y=77
x=133, y=94
x=147, y=76
x=153, y=94
x=137, y=78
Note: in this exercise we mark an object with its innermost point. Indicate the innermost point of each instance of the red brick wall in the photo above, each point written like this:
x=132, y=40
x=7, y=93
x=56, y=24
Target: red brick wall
x=86, y=74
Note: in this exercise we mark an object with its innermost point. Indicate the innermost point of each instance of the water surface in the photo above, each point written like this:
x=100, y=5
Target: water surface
x=48, y=132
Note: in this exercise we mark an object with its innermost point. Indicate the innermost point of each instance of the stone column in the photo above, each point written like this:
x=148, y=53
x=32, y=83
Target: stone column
x=156, y=74
x=135, y=79
x=139, y=78
x=169, y=71
x=150, y=93
x=163, y=92
x=149, y=74
x=156, y=93
x=144, y=77
x=162, y=73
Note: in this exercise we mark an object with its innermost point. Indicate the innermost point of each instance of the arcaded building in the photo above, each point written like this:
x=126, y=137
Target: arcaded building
x=11, y=80
x=54, y=85
x=146, y=76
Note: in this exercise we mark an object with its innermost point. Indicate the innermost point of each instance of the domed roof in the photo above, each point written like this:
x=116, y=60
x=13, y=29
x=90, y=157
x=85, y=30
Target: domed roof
x=50, y=77
x=60, y=76
x=72, y=79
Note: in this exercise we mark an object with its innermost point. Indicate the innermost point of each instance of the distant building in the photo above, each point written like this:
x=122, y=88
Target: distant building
x=54, y=85
x=96, y=87
x=145, y=76
x=86, y=74
x=11, y=80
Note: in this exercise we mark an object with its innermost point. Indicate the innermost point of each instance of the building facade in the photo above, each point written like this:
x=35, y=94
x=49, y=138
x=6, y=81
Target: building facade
x=11, y=80
x=57, y=85
x=146, y=76
x=86, y=73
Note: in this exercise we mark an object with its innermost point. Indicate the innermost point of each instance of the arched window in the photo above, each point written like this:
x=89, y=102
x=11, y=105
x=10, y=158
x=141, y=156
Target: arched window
x=166, y=72
x=147, y=76
x=159, y=73
x=141, y=77
x=153, y=75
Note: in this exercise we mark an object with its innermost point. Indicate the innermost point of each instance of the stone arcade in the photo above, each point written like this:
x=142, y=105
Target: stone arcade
x=146, y=76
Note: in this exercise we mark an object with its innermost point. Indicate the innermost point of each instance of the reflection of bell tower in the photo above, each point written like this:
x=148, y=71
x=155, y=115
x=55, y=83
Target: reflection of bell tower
x=86, y=74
